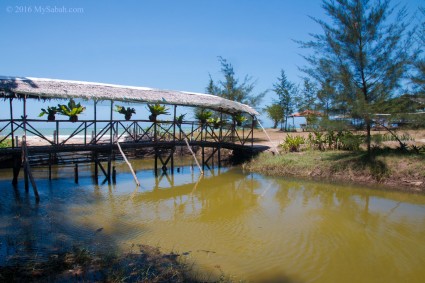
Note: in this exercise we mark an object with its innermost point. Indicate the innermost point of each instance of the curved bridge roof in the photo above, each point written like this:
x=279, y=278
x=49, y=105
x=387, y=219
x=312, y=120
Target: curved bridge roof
x=64, y=89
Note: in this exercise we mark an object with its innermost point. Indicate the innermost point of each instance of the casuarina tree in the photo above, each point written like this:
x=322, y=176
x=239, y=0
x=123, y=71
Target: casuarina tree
x=231, y=88
x=365, y=44
x=287, y=96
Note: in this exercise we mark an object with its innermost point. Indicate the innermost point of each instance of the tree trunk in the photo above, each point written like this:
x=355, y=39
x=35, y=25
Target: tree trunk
x=368, y=139
x=286, y=123
x=276, y=122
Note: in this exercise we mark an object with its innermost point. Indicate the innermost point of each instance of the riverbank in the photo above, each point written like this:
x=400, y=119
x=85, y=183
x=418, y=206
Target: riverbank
x=148, y=264
x=403, y=172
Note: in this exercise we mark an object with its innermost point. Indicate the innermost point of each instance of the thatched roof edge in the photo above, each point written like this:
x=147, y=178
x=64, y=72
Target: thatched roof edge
x=64, y=89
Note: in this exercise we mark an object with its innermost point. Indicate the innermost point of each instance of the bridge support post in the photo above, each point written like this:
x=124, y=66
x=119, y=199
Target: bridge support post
x=203, y=158
x=172, y=160
x=109, y=169
x=16, y=170
x=114, y=175
x=156, y=162
x=50, y=166
x=76, y=173
x=96, y=170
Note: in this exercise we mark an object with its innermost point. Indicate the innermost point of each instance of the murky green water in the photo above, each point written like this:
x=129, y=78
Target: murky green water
x=249, y=226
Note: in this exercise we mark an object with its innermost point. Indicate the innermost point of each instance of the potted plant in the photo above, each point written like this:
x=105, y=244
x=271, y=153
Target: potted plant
x=127, y=112
x=239, y=119
x=216, y=122
x=179, y=119
x=156, y=109
x=72, y=110
x=51, y=112
x=203, y=115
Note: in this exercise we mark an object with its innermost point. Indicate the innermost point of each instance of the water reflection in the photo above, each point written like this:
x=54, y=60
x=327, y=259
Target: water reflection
x=253, y=227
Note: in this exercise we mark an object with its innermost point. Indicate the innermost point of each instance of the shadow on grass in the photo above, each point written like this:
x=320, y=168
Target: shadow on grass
x=362, y=161
x=374, y=163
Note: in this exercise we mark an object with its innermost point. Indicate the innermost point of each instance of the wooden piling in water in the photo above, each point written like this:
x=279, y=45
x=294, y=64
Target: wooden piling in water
x=50, y=166
x=108, y=177
x=76, y=173
x=114, y=175
x=96, y=170
x=16, y=168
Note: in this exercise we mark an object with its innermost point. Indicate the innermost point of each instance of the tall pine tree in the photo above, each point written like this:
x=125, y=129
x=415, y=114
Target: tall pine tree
x=367, y=47
x=287, y=95
x=232, y=89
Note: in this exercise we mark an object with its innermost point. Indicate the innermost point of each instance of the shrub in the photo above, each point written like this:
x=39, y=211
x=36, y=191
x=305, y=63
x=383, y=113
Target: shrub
x=5, y=143
x=349, y=141
x=292, y=143
x=317, y=141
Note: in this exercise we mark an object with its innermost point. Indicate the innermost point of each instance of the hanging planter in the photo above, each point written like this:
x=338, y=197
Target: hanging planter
x=179, y=120
x=239, y=119
x=216, y=122
x=72, y=110
x=156, y=109
x=152, y=118
x=203, y=115
x=50, y=111
x=127, y=112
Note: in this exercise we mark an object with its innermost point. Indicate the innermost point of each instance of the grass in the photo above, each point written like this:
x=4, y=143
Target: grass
x=148, y=264
x=397, y=169
x=5, y=143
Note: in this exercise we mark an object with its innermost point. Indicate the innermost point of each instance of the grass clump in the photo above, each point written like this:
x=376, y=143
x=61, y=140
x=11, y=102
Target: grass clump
x=390, y=166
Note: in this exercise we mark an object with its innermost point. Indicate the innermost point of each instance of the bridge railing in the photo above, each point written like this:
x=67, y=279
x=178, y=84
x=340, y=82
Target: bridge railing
x=89, y=132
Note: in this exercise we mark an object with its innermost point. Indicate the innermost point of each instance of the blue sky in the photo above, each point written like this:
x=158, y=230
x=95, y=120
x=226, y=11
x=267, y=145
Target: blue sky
x=169, y=44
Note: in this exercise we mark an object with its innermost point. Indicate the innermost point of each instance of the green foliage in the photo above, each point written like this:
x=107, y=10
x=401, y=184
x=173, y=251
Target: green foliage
x=216, y=122
x=379, y=138
x=125, y=111
x=418, y=77
x=410, y=120
x=308, y=96
x=287, y=96
x=51, y=110
x=326, y=95
x=333, y=125
x=239, y=118
x=203, y=115
x=180, y=118
x=275, y=112
x=231, y=88
x=5, y=143
x=361, y=53
x=352, y=142
x=292, y=143
x=332, y=139
x=72, y=109
x=158, y=109
x=317, y=140
x=311, y=119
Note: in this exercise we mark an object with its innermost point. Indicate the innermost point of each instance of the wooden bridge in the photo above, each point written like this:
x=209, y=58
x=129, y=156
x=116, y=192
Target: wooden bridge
x=103, y=140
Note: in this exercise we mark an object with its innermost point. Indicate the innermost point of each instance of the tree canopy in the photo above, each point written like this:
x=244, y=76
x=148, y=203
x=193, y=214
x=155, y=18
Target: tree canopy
x=276, y=113
x=287, y=93
x=365, y=50
x=231, y=88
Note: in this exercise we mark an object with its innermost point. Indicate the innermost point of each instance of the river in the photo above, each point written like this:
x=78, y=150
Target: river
x=247, y=226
